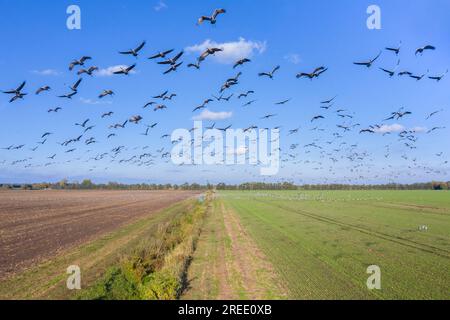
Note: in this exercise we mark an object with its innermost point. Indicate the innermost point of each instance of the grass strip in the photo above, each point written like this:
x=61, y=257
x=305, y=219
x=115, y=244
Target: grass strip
x=156, y=268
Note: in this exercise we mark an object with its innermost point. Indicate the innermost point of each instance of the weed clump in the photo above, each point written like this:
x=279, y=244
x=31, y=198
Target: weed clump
x=157, y=268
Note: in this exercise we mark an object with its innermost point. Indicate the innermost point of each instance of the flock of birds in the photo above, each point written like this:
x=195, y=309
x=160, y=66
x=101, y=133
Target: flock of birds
x=329, y=151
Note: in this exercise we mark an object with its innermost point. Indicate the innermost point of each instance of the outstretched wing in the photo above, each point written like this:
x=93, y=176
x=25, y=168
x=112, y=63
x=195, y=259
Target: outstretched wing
x=203, y=18
x=217, y=12
x=75, y=86
x=275, y=69
x=72, y=65
x=21, y=86
x=318, y=69
x=375, y=59
x=303, y=74
x=387, y=71
x=155, y=56
x=131, y=67
x=178, y=56
x=322, y=71
x=168, y=51
x=140, y=47
x=165, y=62
x=203, y=56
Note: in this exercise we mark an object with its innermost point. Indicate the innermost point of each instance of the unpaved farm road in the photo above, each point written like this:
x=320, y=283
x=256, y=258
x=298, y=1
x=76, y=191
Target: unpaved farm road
x=35, y=225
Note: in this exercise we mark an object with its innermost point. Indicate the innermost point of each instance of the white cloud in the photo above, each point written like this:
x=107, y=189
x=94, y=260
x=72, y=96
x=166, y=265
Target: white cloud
x=47, y=72
x=214, y=116
x=419, y=129
x=293, y=58
x=107, y=72
x=161, y=5
x=390, y=128
x=241, y=150
x=232, y=51
x=94, y=102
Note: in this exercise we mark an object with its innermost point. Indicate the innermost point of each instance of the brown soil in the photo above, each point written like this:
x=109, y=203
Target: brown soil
x=35, y=225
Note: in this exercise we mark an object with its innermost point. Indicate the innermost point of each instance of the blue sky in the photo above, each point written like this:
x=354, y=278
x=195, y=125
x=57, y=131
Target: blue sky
x=297, y=35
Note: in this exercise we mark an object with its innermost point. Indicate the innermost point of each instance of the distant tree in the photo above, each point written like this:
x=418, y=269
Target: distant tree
x=63, y=184
x=87, y=184
x=439, y=185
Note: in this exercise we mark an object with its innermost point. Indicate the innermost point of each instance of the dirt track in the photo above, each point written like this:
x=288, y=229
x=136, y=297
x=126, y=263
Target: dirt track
x=35, y=225
x=228, y=264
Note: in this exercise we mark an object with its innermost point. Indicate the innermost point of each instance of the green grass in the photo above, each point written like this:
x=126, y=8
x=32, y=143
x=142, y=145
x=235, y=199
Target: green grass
x=321, y=242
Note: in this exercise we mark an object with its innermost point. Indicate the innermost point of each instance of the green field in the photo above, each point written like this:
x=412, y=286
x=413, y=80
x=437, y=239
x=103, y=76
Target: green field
x=262, y=245
x=320, y=243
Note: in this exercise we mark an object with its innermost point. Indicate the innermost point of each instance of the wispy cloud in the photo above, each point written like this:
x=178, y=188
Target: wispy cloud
x=107, y=72
x=399, y=128
x=390, y=128
x=214, y=116
x=419, y=129
x=293, y=58
x=160, y=6
x=47, y=72
x=232, y=51
x=94, y=102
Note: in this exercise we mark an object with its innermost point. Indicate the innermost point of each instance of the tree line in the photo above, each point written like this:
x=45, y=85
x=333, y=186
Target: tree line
x=433, y=185
x=89, y=185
